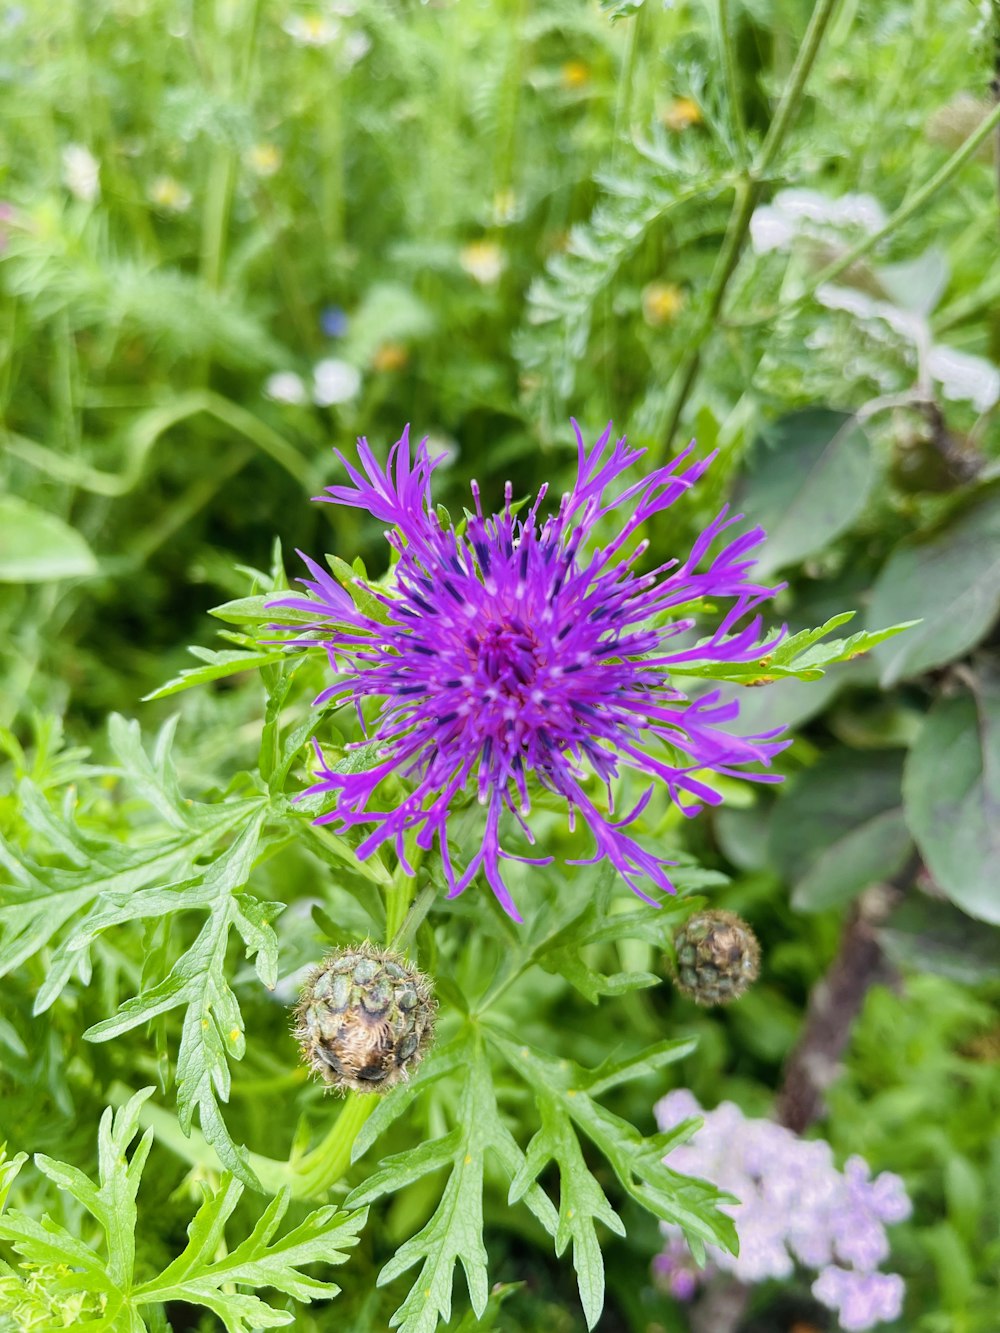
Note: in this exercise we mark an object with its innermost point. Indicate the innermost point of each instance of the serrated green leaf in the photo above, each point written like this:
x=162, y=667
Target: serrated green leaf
x=199, y=1276
x=208, y=1272
x=454, y=1233
x=801, y=655
x=637, y=1162
x=218, y=665
x=582, y=1202
x=212, y=1029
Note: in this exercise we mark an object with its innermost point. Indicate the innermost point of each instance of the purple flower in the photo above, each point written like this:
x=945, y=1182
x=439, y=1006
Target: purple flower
x=861, y=1300
x=519, y=651
x=793, y=1205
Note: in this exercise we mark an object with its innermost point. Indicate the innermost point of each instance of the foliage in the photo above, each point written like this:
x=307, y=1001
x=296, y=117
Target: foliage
x=478, y=219
x=76, y=1281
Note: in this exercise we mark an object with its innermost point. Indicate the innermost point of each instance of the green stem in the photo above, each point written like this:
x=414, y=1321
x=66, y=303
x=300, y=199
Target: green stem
x=403, y=937
x=748, y=189
x=732, y=83
x=215, y=219
x=792, y=96
x=902, y=214
x=399, y=895
x=312, y=1175
x=725, y=266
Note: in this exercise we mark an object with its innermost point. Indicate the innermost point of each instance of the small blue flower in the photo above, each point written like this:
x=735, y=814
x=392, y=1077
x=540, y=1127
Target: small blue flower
x=333, y=321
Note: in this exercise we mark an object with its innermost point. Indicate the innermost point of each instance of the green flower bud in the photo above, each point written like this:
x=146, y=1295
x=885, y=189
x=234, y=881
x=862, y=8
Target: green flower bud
x=364, y=1019
x=718, y=957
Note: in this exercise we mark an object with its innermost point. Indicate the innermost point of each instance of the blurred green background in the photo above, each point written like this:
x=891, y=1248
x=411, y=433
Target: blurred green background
x=235, y=232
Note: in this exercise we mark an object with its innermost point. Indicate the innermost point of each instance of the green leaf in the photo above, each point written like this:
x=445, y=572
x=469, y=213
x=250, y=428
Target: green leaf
x=454, y=1233
x=198, y=1276
x=800, y=655
x=9, y=1167
x=636, y=1161
x=37, y=547
x=928, y=936
x=40, y=900
x=807, y=480
x=841, y=828
x=218, y=664
x=951, y=790
x=212, y=1030
x=951, y=581
x=582, y=1202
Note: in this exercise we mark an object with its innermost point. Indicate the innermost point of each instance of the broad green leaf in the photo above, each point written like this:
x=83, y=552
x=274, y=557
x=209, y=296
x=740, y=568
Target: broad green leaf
x=924, y=935
x=951, y=581
x=951, y=790
x=840, y=828
x=36, y=546
x=807, y=480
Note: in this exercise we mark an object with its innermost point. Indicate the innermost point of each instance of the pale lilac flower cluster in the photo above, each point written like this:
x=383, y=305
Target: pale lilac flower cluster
x=795, y=1207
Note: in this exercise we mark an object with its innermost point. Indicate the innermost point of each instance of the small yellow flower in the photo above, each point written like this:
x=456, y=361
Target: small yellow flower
x=575, y=74
x=661, y=303
x=482, y=260
x=264, y=159
x=170, y=195
x=681, y=114
x=390, y=356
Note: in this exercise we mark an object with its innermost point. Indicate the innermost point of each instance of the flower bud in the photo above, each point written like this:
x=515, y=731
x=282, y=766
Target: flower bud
x=364, y=1019
x=718, y=957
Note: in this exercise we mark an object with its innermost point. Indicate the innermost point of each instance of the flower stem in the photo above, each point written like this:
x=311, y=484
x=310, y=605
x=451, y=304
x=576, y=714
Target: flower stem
x=312, y=1175
x=748, y=189
x=732, y=83
x=399, y=895
x=902, y=214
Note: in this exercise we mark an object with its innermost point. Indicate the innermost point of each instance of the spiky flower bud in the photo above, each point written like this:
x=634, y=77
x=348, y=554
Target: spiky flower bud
x=364, y=1019
x=718, y=957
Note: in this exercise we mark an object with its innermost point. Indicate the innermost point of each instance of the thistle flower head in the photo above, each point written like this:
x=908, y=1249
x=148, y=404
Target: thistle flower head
x=718, y=957
x=515, y=652
x=364, y=1019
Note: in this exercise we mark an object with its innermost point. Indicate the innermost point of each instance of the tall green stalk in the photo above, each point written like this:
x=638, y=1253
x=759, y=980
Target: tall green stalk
x=747, y=194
